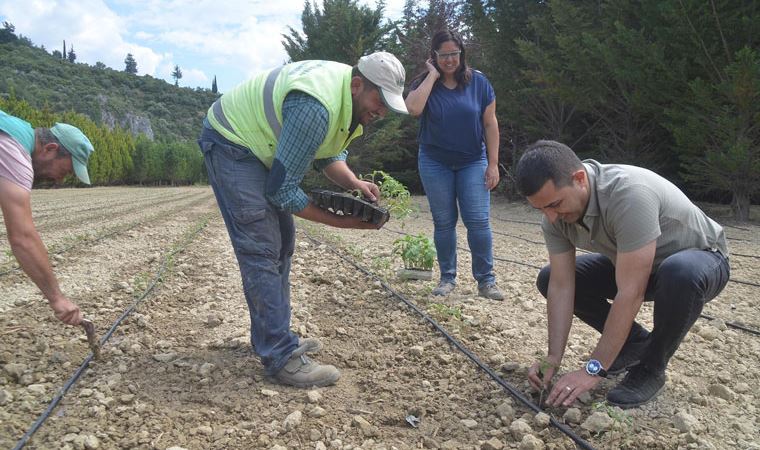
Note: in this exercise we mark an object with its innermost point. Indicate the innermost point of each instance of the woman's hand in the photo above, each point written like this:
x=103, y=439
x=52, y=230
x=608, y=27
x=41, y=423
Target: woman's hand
x=492, y=176
x=431, y=69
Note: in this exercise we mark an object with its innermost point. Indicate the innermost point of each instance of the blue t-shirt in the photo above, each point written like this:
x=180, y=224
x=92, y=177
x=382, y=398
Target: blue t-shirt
x=451, y=126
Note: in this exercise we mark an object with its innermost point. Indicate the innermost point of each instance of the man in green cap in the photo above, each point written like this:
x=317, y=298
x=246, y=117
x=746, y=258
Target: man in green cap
x=27, y=155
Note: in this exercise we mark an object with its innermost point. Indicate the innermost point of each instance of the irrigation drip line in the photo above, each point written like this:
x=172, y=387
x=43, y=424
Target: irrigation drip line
x=521, y=263
x=733, y=324
x=78, y=373
x=101, y=237
x=745, y=255
x=467, y=250
x=508, y=387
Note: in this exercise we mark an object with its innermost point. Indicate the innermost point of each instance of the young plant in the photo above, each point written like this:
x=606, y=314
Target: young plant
x=417, y=252
x=617, y=415
x=395, y=197
x=543, y=366
x=447, y=311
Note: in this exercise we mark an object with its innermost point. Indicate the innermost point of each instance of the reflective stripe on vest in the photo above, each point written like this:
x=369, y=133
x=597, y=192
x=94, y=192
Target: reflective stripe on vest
x=269, y=111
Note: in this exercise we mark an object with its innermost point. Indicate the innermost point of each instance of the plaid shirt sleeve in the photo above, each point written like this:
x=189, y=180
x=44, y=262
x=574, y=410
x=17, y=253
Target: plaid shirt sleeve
x=320, y=164
x=304, y=127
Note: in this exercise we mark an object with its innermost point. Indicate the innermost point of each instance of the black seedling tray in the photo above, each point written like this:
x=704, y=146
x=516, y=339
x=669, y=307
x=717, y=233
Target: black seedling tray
x=348, y=205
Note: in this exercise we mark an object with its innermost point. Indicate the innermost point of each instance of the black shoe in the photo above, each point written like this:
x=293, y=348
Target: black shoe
x=629, y=356
x=639, y=386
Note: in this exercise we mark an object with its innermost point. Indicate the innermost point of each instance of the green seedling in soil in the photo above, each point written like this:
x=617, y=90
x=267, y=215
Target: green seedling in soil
x=140, y=283
x=394, y=196
x=543, y=366
x=447, y=311
x=617, y=415
x=354, y=250
x=380, y=263
x=417, y=252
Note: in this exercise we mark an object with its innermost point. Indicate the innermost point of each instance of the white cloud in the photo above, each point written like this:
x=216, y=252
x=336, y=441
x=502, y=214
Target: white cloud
x=93, y=29
x=208, y=36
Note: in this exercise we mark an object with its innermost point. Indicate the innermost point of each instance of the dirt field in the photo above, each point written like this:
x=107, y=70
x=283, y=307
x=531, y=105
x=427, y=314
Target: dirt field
x=177, y=373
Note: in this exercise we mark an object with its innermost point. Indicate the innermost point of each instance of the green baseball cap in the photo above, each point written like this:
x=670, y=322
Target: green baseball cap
x=78, y=145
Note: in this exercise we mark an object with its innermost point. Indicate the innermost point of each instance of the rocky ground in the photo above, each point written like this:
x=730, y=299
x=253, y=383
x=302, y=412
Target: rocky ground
x=177, y=373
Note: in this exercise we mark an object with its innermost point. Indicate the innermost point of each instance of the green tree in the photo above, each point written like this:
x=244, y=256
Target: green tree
x=7, y=33
x=72, y=57
x=130, y=65
x=176, y=74
x=342, y=31
x=722, y=122
x=214, y=89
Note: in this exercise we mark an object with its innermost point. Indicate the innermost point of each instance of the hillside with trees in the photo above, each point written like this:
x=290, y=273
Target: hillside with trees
x=143, y=128
x=671, y=85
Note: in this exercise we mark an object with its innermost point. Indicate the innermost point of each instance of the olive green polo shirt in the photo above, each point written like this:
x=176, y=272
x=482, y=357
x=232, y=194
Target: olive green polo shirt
x=630, y=207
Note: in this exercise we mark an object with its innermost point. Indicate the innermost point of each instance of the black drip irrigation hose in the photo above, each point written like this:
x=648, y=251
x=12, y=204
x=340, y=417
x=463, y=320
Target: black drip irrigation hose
x=78, y=373
x=467, y=250
x=92, y=241
x=508, y=387
x=729, y=324
x=732, y=280
x=733, y=325
x=744, y=255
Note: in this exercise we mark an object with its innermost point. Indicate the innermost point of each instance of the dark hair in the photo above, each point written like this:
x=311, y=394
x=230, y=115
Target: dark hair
x=544, y=161
x=355, y=72
x=47, y=137
x=463, y=74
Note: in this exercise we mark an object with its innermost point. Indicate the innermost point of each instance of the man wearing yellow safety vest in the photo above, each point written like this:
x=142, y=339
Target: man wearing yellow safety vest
x=258, y=140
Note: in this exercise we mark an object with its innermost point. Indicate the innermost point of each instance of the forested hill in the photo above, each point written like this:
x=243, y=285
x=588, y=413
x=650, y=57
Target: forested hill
x=139, y=104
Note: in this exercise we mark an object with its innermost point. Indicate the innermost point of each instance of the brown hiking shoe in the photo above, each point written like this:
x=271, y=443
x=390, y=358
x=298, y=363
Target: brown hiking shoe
x=444, y=288
x=302, y=372
x=490, y=291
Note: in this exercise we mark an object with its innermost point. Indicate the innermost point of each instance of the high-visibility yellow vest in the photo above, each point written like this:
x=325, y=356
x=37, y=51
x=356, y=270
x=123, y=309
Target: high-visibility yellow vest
x=250, y=115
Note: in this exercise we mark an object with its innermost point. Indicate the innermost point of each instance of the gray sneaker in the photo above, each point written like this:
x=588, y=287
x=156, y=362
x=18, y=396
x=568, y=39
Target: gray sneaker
x=444, y=288
x=302, y=372
x=490, y=291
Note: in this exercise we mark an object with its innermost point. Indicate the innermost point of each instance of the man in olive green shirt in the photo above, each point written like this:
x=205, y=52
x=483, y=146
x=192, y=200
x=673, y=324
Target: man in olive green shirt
x=651, y=244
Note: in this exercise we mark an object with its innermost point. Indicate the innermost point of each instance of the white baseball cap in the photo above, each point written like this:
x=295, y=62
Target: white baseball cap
x=387, y=73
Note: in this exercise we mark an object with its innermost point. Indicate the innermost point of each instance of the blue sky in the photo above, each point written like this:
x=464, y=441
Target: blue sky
x=231, y=39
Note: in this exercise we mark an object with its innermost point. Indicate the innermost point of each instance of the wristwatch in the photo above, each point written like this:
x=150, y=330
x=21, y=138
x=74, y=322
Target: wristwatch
x=595, y=369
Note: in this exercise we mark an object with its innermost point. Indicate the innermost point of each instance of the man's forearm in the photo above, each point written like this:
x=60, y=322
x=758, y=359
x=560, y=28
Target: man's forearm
x=33, y=258
x=559, y=308
x=622, y=314
x=340, y=174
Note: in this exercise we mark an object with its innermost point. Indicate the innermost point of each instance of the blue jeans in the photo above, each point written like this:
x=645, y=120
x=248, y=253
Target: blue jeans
x=463, y=186
x=263, y=238
x=679, y=288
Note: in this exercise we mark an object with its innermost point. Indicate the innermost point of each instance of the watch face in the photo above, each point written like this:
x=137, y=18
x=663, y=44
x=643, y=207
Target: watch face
x=593, y=367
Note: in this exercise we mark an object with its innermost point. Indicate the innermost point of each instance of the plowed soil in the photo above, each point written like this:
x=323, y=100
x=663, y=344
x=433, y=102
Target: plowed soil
x=178, y=372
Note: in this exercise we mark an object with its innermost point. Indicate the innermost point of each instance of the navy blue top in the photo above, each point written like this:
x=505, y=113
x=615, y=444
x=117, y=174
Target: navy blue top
x=451, y=125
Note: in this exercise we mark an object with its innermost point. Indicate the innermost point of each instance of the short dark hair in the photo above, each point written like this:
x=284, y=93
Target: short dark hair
x=47, y=137
x=544, y=161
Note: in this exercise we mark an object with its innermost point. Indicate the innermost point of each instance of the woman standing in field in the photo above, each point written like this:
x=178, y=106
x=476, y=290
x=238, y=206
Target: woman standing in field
x=458, y=157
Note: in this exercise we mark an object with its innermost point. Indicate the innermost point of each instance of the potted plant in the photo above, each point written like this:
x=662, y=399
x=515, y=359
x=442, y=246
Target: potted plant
x=418, y=254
